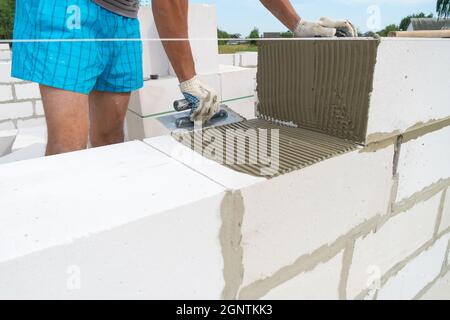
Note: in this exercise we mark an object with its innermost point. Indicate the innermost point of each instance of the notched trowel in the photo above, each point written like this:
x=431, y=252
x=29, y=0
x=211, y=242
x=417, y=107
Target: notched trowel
x=223, y=117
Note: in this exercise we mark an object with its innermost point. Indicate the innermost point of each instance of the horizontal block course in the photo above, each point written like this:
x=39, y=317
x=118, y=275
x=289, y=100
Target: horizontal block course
x=423, y=162
x=392, y=243
x=417, y=274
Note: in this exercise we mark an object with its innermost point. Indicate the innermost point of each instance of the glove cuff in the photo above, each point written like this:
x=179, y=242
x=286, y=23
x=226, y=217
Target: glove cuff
x=190, y=85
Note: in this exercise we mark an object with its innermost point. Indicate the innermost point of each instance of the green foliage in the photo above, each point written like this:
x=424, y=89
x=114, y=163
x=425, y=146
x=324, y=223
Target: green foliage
x=443, y=8
x=404, y=24
x=254, y=34
x=287, y=34
x=389, y=28
x=7, y=8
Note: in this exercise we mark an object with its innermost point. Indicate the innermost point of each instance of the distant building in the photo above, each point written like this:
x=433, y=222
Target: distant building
x=418, y=24
x=272, y=35
x=235, y=42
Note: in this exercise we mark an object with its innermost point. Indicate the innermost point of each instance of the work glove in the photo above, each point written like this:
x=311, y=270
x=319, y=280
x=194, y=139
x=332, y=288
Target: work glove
x=204, y=100
x=324, y=28
x=344, y=28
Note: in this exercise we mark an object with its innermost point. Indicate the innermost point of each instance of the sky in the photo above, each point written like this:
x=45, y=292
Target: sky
x=240, y=16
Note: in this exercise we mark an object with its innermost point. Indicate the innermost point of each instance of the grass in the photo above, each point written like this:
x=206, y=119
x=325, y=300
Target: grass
x=223, y=49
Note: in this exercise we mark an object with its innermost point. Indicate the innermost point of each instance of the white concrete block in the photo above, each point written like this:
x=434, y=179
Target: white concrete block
x=7, y=139
x=5, y=73
x=31, y=123
x=245, y=107
x=297, y=213
x=27, y=91
x=417, y=274
x=237, y=82
x=15, y=110
x=420, y=94
x=445, y=221
x=29, y=136
x=248, y=59
x=224, y=176
x=39, y=108
x=395, y=241
x=203, y=35
x=130, y=236
x=322, y=283
x=4, y=46
x=6, y=93
x=34, y=151
x=228, y=59
x=7, y=125
x=423, y=162
x=155, y=60
x=5, y=55
x=440, y=290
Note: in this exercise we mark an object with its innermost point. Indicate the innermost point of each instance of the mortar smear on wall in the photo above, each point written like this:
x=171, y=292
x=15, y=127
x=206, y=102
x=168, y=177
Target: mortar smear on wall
x=297, y=148
x=322, y=85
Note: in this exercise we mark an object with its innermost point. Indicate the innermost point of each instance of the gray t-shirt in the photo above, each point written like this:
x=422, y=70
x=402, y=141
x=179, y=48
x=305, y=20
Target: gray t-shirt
x=127, y=8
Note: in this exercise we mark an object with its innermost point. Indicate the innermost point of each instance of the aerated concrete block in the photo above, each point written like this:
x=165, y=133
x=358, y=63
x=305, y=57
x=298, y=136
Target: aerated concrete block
x=417, y=274
x=202, y=35
x=5, y=73
x=445, y=220
x=405, y=96
x=440, y=290
x=15, y=110
x=6, y=93
x=378, y=252
x=297, y=213
x=237, y=82
x=7, y=139
x=227, y=59
x=248, y=59
x=423, y=162
x=111, y=229
x=322, y=283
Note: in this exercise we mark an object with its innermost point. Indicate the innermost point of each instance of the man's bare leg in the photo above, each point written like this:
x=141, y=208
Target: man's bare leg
x=171, y=18
x=67, y=115
x=284, y=11
x=107, y=115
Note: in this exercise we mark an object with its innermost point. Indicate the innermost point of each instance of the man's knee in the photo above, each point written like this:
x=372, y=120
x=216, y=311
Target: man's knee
x=59, y=145
x=104, y=137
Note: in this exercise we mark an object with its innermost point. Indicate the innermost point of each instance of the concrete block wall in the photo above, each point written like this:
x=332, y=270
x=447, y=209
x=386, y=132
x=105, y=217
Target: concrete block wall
x=20, y=101
x=370, y=224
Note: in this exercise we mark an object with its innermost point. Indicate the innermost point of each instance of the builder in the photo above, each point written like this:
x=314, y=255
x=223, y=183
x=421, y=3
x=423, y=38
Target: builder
x=86, y=84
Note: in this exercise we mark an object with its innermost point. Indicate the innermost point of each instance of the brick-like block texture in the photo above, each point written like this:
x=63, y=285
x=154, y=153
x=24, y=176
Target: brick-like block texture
x=417, y=274
x=16, y=110
x=295, y=214
x=394, y=242
x=322, y=283
x=445, y=220
x=423, y=161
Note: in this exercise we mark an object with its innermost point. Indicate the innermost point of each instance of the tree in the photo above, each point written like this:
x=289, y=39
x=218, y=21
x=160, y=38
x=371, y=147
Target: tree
x=287, y=34
x=389, y=28
x=7, y=8
x=222, y=35
x=404, y=24
x=443, y=8
x=254, y=34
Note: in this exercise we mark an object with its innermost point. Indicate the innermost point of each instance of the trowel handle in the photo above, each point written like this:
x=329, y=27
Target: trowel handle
x=182, y=105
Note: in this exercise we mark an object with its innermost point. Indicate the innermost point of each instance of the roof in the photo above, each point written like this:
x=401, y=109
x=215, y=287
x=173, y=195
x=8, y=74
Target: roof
x=430, y=24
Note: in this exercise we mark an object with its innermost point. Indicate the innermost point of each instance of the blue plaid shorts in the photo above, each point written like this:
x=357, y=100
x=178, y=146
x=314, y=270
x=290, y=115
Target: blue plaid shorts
x=80, y=62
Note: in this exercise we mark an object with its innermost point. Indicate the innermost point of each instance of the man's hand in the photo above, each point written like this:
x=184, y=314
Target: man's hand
x=344, y=28
x=204, y=100
x=307, y=29
x=325, y=28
